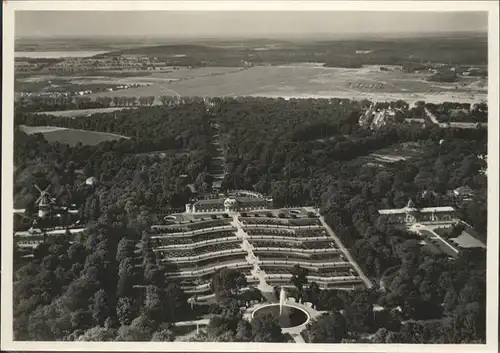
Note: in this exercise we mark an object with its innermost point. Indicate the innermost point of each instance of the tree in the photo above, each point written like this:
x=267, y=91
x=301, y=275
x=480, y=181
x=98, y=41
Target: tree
x=176, y=306
x=126, y=278
x=299, y=278
x=132, y=334
x=143, y=101
x=243, y=331
x=227, y=282
x=164, y=100
x=313, y=294
x=125, y=311
x=50, y=322
x=217, y=326
x=77, y=253
x=380, y=336
x=329, y=300
x=154, y=275
x=230, y=310
x=328, y=328
x=144, y=324
x=82, y=319
x=125, y=249
x=266, y=329
x=163, y=335
x=79, y=292
x=359, y=312
x=101, y=309
x=154, y=304
x=98, y=334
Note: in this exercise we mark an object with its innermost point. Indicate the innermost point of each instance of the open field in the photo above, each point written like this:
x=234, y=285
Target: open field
x=83, y=112
x=71, y=136
x=393, y=154
x=110, y=79
x=465, y=240
x=309, y=81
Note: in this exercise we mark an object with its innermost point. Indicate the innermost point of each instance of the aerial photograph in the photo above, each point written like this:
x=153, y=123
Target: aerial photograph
x=293, y=177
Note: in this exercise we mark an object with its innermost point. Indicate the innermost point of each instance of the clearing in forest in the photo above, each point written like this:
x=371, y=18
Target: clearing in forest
x=71, y=136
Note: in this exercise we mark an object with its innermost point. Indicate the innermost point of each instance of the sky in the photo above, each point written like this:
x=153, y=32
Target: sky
x=190, y=24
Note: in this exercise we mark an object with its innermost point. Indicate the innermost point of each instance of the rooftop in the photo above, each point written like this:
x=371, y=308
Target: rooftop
x=421, y=210
x=437, y=209
x=220, y=201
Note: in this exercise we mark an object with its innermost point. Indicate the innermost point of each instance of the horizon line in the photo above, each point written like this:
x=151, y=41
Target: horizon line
x=251, y=36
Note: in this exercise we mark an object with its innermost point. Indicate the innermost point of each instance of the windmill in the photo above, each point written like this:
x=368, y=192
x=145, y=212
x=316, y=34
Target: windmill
x=45, y=202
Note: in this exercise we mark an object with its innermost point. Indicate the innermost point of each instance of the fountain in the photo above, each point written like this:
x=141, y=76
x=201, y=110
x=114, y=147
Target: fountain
x=282, y=300
x=287, y=315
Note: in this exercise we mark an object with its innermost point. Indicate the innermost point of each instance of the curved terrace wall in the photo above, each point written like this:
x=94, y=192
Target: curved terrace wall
x=296, y=250
x=308, y=265
x=208, y=269
x=193, y=232
x=199, y=244
x=221, y=253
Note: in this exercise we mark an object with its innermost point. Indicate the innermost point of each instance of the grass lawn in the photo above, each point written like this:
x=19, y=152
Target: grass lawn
x=71, y=136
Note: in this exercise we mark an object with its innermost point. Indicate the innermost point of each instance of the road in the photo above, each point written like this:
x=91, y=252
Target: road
x=358, y=269
x=433, y=118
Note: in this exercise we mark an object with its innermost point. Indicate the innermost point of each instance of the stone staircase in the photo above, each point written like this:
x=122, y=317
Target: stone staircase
x=266, y=289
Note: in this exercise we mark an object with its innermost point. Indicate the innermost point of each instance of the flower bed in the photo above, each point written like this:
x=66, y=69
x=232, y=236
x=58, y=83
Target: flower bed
x=265, y=243
x=330, y=273
x=284, y=270
x=270, y=231
x=275, y=244
x=325, y=257
x=215, y=265
x=186, y=227
x=306, y=233
x=275, y=270
x=296, y=233
x=304, y=222
x=319, y=245
x=291, y=257
x=193, y=239
x=200, y=251
x=264, y=221
x=228, y=258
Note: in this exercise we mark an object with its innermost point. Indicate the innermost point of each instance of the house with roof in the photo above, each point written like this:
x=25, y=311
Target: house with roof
x=233, y=202
x=410, y=214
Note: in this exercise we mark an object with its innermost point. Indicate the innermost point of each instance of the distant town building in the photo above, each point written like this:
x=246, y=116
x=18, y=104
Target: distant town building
x=375, y=118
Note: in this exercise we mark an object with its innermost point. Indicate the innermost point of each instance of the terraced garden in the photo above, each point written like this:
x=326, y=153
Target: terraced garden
x=193, y=251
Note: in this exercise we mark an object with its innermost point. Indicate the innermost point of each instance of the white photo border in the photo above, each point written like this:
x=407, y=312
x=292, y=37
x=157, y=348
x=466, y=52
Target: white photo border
x=9, y=9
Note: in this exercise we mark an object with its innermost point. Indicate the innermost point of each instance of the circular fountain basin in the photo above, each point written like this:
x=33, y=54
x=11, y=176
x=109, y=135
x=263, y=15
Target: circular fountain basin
x=292, y=316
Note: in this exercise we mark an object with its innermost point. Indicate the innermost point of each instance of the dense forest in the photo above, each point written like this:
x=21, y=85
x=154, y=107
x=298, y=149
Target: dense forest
x=298, y=151
x=169, y=148
x=456, y=112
